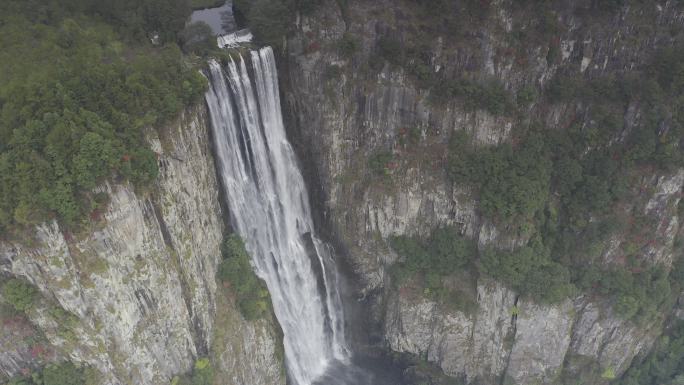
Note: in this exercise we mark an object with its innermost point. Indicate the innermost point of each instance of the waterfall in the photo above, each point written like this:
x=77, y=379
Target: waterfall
x=269, y=208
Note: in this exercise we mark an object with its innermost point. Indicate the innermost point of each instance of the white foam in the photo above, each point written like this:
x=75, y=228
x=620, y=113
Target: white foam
x=234, y=39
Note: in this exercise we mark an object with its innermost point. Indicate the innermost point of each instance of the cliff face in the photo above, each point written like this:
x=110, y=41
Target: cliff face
x=344, y=112
x=134, y=294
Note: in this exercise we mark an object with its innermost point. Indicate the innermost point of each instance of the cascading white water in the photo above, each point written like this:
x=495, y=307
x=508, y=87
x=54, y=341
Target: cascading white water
x=269, y=208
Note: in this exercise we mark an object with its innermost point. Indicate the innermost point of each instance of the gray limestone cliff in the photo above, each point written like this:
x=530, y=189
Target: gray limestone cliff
x=134, y=294
x=344, y=111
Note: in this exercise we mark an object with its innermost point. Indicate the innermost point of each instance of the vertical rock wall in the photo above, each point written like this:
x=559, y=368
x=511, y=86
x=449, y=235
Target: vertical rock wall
x=138, y=283
x=345, y=111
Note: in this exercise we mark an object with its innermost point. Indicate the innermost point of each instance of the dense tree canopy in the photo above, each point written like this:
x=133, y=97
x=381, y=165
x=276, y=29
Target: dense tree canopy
x=20, y=294
x=270, y=20
x=78, y=85
x=63, y=373
x=132, y=19
x=664, y=365
x=236, y=271
x=513, y=183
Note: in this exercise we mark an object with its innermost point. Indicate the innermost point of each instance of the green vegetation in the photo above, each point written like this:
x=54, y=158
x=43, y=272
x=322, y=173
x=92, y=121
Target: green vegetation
x=20, y=294
x=379, y=163
x=65, y=373
x=133, y=20
x=515, y=185
x=198, y=38
x=489, y=95
x=22, y=297
x=526, y=96
x=592, y=173
x=638, y=294
x=608, y=374
x=443, y=252
x=658, y=89
x=202, y=374
x=410, y=136
x=307, y=7
x=416, y=59
x=530, y=271
x=66, y=322
x=391, y=50
x=76, y=95
x=512, y=183
x=441, y=14
x=271, y=20
x=665, y=363
x=348, y=45
x=432, y=259
x=561, y=188
x=236, y=270
x=332, y=72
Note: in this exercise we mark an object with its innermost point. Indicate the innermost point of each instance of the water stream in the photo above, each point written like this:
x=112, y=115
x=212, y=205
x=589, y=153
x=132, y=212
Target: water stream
x=269, y=208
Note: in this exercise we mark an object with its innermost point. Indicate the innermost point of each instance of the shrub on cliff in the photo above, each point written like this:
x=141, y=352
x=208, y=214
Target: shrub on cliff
x=664, y=364
x=197, y=38
x=530, y=271
x=511, y=183
x=379, y=163
x=20, y=381
x=348, y=45
x=308, y=6
x=391, y=50
x=202, y=373
x=430, y=260
x=269, y=20
x=20, y=294
x=236, y=270
x=443, y=252
x=63, y=373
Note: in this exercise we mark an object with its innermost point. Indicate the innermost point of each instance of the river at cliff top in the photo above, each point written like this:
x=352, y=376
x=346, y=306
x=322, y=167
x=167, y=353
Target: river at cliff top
x=220, y=19
x=269, y=208
x=268, y=204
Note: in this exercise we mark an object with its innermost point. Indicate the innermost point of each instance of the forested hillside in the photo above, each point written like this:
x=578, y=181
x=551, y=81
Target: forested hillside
x=80, y=81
